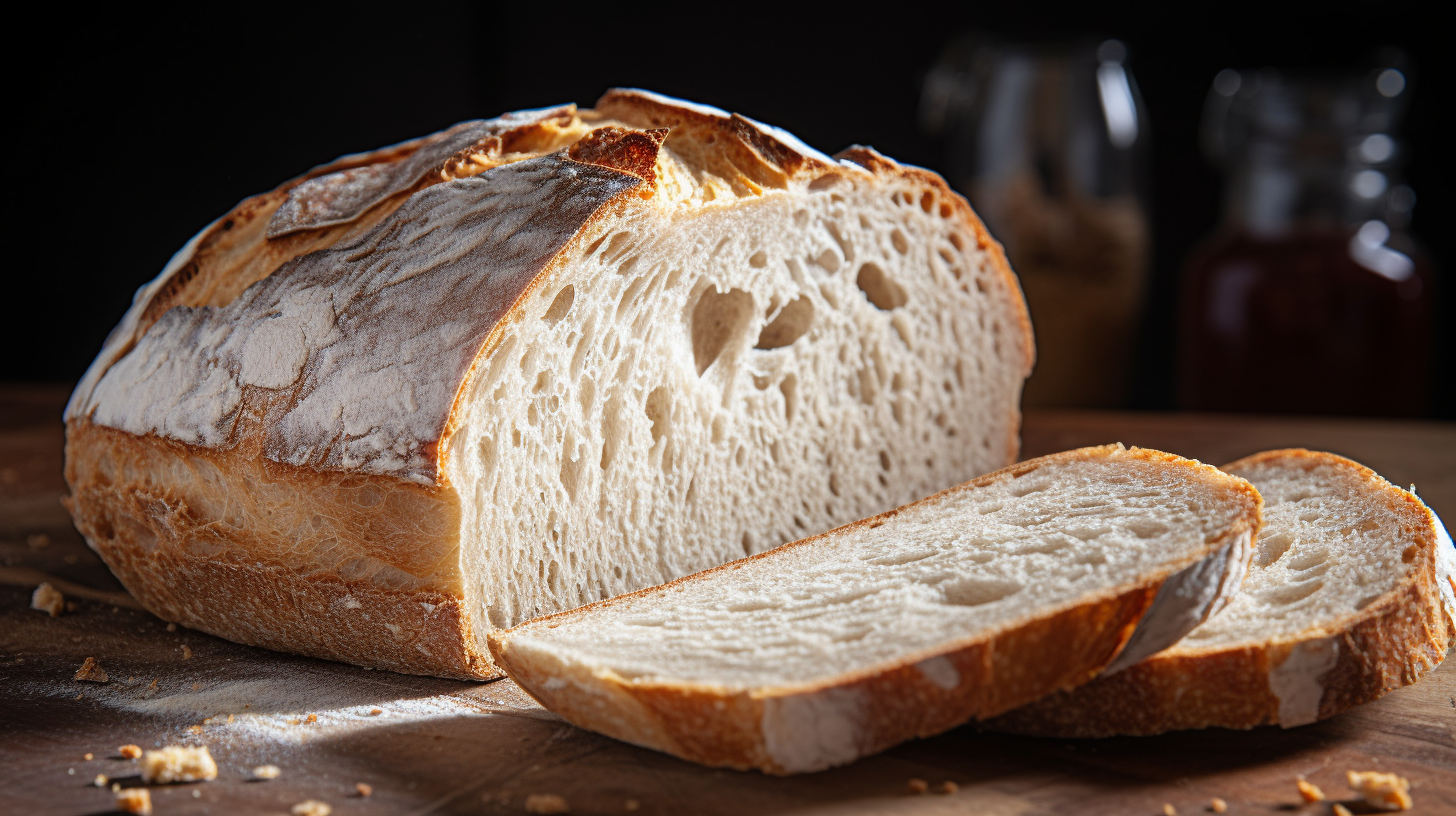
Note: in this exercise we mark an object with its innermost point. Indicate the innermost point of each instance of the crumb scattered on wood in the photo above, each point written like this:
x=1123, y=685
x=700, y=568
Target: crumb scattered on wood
x=88, y=756
x=312, y=807
x=313, y=718
x=1341, y=810
x=267, y=772
x=1308, y=791
x=294, y=721
x=631, y=805
x=1217, y=805
x=375, y=712
x=133, y=800
x=919, y=786
x=130, y=751
x=546, y=803
x=38, y=541
x=1169, y=810
x=100, y=781
x=1386, y=791
x=178, y=763
x=186, y=652
x=171, y=627
x=150, y=690
x=194, y=729
x=364, y=789
x=230, y=719
x=47, y=598
x=947, y=787
x=92, y=672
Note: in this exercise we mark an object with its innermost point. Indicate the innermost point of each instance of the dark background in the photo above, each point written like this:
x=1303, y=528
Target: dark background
x=130, y=136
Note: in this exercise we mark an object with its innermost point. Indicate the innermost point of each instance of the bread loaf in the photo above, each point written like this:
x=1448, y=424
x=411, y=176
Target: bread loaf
x=1349, y=596
x=961, y=606
x=533, y=362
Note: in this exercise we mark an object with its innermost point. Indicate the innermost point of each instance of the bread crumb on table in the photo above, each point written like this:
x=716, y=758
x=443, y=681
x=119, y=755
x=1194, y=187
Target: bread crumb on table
x=313, y=718
x=1169, y=810
x=1341, y=810
x=947, y=787
x=546, y=803
x=312, y=807
x=1386, y=791
x=37, y=541
x=375, y=712
x=364, y=789
x=171, y=627
x=266, y=772
x=631, y=805
x=1217, y=805
x=88, y=756
x=100, y=781
x=186, y=652
x=133, y=800
x=178, y=763
x=47, y=598
x=919, y=786
x=92, y=672
x=130, y=751
x=1308, y=791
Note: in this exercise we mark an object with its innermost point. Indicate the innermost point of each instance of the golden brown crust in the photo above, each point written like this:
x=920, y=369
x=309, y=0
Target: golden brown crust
x=999, y=671
x=1389, y=644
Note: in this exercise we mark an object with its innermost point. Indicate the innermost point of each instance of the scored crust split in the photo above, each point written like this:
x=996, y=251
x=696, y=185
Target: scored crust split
x=962, y=606
x=1350, y=595
x=532, y=362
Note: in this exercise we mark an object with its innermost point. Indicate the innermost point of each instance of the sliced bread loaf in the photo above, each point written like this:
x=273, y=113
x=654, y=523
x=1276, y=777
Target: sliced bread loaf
x=532, y=362
x=963, y=605
x=1349, y=595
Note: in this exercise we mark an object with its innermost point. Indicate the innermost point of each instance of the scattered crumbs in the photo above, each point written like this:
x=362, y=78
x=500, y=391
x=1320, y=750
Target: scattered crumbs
x=196, y=686
x=364, y=789
x=267, y=772
x=70, y=558
x=100, y=781
x=631, y=805
x=92, y=672
x=1386, y=791
x=546, y=803
x=196, y=793
x=293, y=721
x=1341, y=810
x=129, y=751
x=38, y=541
x=9, y=475
x=1217, y=805
x=178, y=763
x=70, y=772
x=1308, y=791
x=150, y=690
x=186, y=652
x=171, y=627
x=207, y=721
x=919, y=786
x=375, y=712
x=1169, y=810
x=133, y=800
x=47, y=598
x=194, y=729
x=313, y=718
x=72, y=606
x=88, y=756
x=230, y=719
x=312, y=807
x=80, y=696
x=947, y=787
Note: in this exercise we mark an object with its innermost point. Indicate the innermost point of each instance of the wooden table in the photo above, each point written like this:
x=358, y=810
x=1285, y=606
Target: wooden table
x=440, y=746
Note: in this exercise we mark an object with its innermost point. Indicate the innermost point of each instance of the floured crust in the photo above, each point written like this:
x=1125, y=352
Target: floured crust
x=918, y=696
x=1391, y=643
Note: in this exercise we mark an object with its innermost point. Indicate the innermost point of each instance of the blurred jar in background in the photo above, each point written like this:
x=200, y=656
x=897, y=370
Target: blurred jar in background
x=1049, y=142
x=1311, y=298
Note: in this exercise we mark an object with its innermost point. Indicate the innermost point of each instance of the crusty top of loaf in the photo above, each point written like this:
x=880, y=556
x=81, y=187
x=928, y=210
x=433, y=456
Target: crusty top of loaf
x=331, y=322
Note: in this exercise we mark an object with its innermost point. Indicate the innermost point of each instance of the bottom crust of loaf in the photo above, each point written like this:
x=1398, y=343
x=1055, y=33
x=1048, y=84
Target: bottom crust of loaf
x=158, y=513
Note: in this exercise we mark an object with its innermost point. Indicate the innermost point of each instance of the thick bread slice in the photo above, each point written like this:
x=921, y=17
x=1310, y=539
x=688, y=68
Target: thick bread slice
x=1350, y=595
x=961, y=606
x=532, y=362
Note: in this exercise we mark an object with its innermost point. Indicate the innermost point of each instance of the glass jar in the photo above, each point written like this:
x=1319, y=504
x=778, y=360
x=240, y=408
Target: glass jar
x=1311, y=297
x=1049, y=141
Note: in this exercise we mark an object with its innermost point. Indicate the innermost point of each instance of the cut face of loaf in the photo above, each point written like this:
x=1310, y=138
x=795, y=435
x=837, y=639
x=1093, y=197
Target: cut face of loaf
x=1346, y=598
x=534, y=362
x=961, y=606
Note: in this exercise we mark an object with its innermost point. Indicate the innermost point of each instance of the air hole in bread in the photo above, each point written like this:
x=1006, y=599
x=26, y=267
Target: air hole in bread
x=824, y=182
x=1308, y=559
x=897, y=238
x=828, y=260
x=1146, y=527
x=978, y=592
x=883, y=292
x=747, y=543
x=1290, y=594
x=791, y=323
x=1272, y=547
x=789, y=386
x=1410, y=553
x=718, y=319
x=759, y=260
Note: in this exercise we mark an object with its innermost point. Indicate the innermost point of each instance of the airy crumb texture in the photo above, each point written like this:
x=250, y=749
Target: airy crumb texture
x=1386, y=791
x=266, y=772
x=134, y=800
x=546, y=803
x=178, y=763
x=92, y=672
x=1308, y=791
x=47, y=598
x=130, y=751
x=312, y=807
x=364, y=789
x=1217, y=805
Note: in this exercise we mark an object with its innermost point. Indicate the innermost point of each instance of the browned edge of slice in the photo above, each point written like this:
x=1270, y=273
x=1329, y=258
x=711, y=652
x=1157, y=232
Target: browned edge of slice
x=1389, y=644
x=864, y=712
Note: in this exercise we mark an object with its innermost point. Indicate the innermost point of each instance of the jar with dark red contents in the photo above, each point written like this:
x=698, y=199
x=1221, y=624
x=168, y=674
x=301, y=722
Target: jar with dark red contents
x=1311, y=298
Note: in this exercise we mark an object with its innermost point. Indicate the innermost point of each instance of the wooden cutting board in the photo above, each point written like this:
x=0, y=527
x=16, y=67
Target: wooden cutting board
x=440, y=746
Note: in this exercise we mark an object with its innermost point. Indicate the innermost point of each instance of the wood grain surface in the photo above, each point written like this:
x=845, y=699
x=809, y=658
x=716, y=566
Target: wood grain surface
x=440, y=746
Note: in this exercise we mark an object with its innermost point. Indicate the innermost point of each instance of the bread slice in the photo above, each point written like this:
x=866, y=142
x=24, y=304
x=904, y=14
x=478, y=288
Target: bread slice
x=1347, y=598
x=533, y=362
x=961, y=606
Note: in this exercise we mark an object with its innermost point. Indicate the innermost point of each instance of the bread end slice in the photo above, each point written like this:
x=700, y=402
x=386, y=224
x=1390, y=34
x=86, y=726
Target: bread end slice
x=905, y=624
